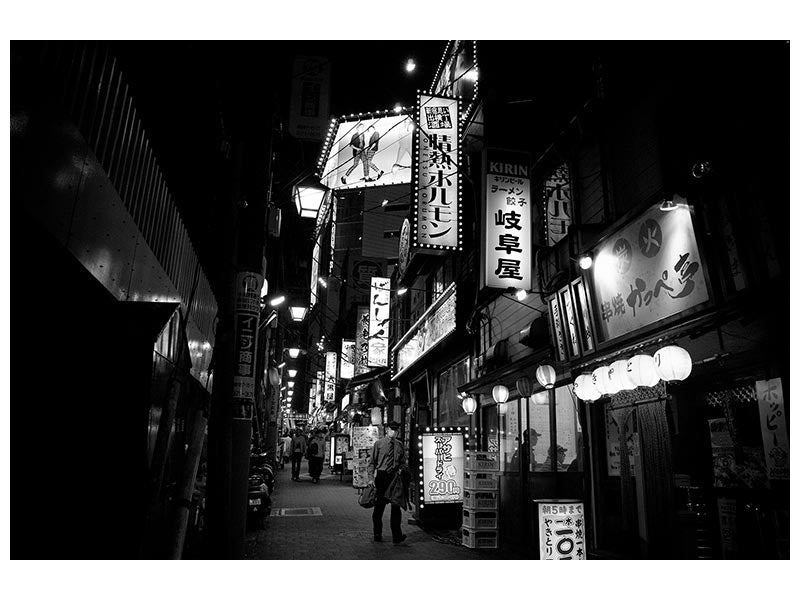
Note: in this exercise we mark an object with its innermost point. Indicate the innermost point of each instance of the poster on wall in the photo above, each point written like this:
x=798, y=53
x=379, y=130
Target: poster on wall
x=507, y=232
x=363, y=440
x=613, y=443
x=378, y=345
x=371, y=150
x=649, y=270
x=247, y=306
x=562, y=530
x=437, y=194
x=443, y=467
x=775, y=438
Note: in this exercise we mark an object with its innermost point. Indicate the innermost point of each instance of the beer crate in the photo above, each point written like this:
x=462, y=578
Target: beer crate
x=482, y=461
x=479, y=519
x=481, y=500
x=481, y=481
x=477, y=538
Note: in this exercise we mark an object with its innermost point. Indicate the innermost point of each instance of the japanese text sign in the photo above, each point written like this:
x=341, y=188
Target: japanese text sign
x=648, y=270
x=331, y=360
x=443, y=467
x=378, y=344
x=320, y=387
x=363, y=439
x=507, y=233
x=347, y=366
x=247, y=305
x=315, y=258
x=558, y=204
x=362, y=339
x=772, y=414
x=437, y=217
x=562, y=528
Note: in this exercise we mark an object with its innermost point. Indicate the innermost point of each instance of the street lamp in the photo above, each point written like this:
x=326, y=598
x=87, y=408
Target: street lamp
x=292, y=373
x=308, y=200
x=298, y=312
x=294, y=352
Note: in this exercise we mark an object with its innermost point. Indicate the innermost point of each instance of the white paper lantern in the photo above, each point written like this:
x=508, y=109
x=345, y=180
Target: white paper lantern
x=600, y=379
x=619, y=375
x=546, y=376
x=673, y=363
x=469, y=404
x=500, y=393
x=375, y=416
x=584, y=388
x=642, y=370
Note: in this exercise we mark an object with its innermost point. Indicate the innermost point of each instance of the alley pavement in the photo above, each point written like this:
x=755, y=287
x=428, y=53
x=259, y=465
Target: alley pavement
x=324, y=521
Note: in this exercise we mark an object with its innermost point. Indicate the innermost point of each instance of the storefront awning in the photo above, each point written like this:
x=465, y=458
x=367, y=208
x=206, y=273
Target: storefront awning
x=366, y=378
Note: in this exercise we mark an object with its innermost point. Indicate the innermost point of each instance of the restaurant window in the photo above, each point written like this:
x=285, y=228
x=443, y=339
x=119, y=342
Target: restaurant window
x=536, y=438
x=450, y=413
x=569, y=435
x=436, y=284
x=509, y=422
x=490, y=428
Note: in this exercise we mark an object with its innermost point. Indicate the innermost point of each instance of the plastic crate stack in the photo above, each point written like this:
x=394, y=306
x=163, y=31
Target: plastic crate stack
x=481, y=500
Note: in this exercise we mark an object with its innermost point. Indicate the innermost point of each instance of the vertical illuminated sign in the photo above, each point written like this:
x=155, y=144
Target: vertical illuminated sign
x=507, y=233
x=330, y=376
x=362, y=339
x=557, y=205
x=247, y=309
x=347, y=365
x=442, y=468
x=320, y=387
x=378, y=343
x=437, y=179
x=315, y=258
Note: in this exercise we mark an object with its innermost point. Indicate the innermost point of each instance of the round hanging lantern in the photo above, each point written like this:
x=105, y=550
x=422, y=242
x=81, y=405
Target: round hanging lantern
x=524, y=386
x=500, y=393
x=642, y=370
x=585, y=389
x=546, y=376
x=469, y=404
x=612, y=387
x=274, y=377
x=600, y=379
x=376, y=416
x=541, y=398
x=673, y=363
x=619, y=375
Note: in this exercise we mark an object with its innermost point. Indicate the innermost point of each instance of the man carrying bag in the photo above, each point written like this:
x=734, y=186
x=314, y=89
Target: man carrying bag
x=388, y=456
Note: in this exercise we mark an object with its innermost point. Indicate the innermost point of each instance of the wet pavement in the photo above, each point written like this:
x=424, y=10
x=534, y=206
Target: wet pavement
x=324, y=521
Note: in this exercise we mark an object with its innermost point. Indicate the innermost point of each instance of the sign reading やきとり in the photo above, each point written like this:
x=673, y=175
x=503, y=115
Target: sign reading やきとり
x=443, y=467
x=648, y=270
x=562, y=530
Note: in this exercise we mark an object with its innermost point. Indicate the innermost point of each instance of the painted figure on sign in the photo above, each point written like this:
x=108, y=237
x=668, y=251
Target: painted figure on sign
x=357, y=143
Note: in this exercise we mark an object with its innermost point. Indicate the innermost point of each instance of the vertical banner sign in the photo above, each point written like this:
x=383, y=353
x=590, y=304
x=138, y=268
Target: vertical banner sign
x=362, y=339
x=570, y=321
x=648, y=270
x=557, y=205
x=561, y=530
x=347, y=367
x=558, y=328
x=507, y=232
x=246, y=311
x=583, y=311
x=311, y=86
x=437, y=179
x=443, y=467
x=330, y=376
x=378, y=345
x=320, y=387
x=772, y=414
x=363, y=440
x=315, y=258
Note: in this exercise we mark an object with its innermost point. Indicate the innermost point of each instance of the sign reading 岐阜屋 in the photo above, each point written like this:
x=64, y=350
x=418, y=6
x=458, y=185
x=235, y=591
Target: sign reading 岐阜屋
x=507, y=233
x=649, y=270
x=437, y=195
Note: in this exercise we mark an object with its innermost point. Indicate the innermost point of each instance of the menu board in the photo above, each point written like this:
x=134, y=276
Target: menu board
x=561, y=530
x=363, y=440
x=443, y=467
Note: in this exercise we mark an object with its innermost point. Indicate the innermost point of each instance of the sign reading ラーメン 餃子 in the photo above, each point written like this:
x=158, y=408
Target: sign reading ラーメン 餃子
x=443, y=467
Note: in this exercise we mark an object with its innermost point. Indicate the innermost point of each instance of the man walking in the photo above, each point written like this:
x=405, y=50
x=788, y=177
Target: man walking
x=369, y=153
x=357, y=142
x=298, y=450
x=387, y=457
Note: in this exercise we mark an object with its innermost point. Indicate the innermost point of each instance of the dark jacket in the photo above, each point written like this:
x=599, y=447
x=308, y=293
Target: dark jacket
x=373, y=141
x=357, y=142
x=298, y=444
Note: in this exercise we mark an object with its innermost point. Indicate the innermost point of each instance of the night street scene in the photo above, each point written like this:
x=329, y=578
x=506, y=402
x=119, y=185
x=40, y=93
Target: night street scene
x=390, y=300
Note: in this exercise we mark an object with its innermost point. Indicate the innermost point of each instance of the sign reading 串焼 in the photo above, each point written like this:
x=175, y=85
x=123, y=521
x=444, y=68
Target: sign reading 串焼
x=362, y=339
x=378, y=345
x=772, y=414
x=562, y=530
x=311, y=87
x=647, y=271
x=363, y=439
x=331, y=360
x=557, y=205
x=443, y=467
x=347, y=366
x=433, y=326
x=437, y=196
x=247, y=308
x=368, y=151
x=507, y=234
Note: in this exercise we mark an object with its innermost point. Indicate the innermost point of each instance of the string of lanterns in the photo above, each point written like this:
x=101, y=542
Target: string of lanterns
x=670, y=363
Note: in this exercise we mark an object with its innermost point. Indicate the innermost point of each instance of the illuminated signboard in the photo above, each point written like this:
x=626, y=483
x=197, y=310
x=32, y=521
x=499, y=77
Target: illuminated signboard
x=378, y=343
x=442, y=467
x=437, y=179
x=434, y=325
x=562, y=530
x=369, y=150
x=320, y=387
x=311, y=87
x=315, y=258
x=248, y=289
x=331, y=363
x=507, y=234
x=557, y=205
x=347, y=366
x=458, y=73
x=362, y=339
x=648, y=270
